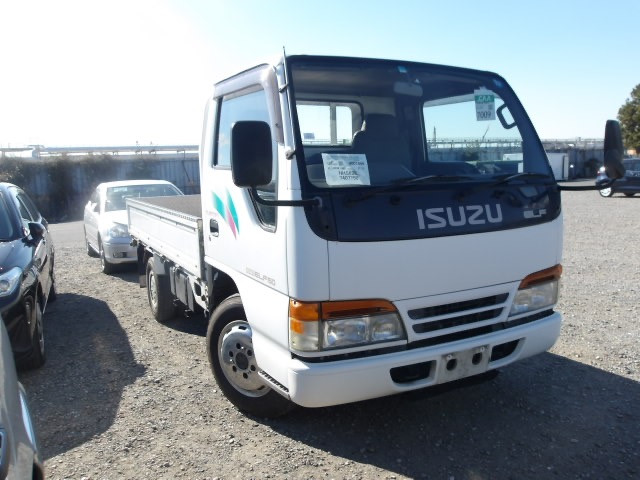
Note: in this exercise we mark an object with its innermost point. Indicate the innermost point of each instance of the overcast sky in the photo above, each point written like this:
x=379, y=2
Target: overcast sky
x=76, y=73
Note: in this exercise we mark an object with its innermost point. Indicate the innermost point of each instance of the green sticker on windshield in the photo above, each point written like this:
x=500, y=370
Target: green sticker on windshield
x=485, y=104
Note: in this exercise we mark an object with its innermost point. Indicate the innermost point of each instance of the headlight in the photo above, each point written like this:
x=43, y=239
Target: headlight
x=9, y=280
x=537, y=291
x=329, y=325
x=118, y=230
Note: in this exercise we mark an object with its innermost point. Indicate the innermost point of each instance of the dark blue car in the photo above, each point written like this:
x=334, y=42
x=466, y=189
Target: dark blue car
x=629, y=184
x=27, y=281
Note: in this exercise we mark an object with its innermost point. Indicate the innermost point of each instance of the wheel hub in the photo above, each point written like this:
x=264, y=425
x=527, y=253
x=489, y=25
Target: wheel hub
x=242, y=362
x=238, y=360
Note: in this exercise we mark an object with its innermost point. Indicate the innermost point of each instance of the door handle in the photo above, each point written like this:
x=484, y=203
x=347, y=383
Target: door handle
x=213, y=227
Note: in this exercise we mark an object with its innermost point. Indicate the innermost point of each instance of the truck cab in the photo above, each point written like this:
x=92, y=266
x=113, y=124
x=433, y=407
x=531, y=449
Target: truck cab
x=371, y=227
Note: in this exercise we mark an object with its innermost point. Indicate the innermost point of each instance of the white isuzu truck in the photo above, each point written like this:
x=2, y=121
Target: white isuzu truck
x=365, y=227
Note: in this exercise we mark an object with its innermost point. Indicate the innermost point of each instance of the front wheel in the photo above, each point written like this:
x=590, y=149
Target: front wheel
x=606, y=192
x=107, y=268
x=90, y=251
x=34, y=357
x=233, y=362
x=629, y=194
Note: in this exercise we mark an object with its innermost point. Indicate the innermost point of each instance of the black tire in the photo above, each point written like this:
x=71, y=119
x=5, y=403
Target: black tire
x=107, y=268
x=159, y=295
x=90, y=251
x=629, y=194
x=35, y=357
x=229, y=338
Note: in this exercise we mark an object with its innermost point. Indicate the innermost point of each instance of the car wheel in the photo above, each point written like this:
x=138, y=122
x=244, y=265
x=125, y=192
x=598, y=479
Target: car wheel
x=107, y=267
x=629, y=194
x=606, y=192
x=33, y=316
x=90, y=251
x=233, y=362
x=159, y=295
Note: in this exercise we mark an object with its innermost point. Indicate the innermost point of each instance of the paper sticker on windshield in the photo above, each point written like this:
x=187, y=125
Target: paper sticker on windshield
x=346, y=169
x=485, y=104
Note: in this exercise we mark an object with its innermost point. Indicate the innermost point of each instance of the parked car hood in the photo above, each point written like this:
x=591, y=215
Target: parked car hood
x=9, y=254
x=116, y=216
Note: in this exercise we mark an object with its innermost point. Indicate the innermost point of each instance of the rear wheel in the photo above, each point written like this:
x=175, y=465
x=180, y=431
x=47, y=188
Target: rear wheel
x=159, y=295
x=233, y=362
x=629, y=194
x=606, y=192
x=34, y=358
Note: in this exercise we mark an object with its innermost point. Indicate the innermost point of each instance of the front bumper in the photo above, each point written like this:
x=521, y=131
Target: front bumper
x=334, y=383
x=119, y=251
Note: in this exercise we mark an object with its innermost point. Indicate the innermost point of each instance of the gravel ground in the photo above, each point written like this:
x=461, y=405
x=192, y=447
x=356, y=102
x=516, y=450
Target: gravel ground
x=124, y=397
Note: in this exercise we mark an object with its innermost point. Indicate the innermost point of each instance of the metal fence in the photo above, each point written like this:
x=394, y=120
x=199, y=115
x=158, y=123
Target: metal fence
x=62, y=185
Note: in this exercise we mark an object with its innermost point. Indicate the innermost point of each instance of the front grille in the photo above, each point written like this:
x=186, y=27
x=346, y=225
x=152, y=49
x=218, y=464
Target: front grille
x=476, y=332
x=455, y=317
x=421, y=313
x=457, y=321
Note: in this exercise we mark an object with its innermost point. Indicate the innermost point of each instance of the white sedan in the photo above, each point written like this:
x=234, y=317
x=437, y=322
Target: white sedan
x=105, y=219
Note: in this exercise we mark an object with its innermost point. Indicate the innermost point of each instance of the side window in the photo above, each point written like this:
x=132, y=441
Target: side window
x=30, y=206
x=25, y=214
x=251, y=106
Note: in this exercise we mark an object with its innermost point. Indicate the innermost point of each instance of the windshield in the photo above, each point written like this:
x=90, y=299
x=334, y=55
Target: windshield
x=376, y=123
x=7, y=229
x=116, y=196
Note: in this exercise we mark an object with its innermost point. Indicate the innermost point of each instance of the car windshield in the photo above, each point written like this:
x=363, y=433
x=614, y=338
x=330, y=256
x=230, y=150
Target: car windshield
x=116, y=196
x=7, y=229
x=377, y=123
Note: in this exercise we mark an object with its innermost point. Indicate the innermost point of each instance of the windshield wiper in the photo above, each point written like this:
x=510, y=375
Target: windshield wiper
x=503, y=180
x=404, y=182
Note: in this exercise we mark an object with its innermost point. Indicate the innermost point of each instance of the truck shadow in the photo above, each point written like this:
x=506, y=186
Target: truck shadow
x=76, y=394
x=192, y=323
x=547, y=416
x=128, y=273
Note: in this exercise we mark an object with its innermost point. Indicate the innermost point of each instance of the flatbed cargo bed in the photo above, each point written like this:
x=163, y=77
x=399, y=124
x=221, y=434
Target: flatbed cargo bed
x=170, y=227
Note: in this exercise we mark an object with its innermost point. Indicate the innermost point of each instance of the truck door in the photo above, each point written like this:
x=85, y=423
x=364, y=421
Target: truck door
x=241, y=235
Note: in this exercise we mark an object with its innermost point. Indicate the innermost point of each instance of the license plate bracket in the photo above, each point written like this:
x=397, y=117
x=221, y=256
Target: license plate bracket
x=465, y=363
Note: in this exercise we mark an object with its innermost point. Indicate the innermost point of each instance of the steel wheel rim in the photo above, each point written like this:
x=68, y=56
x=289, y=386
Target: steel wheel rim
x=153, y=291
x=237, y=359
x=605, y=192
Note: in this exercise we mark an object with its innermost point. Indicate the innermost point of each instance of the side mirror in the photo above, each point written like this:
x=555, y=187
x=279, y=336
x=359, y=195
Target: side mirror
x=613, y=150
x=251, y=154
x=37, y=230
